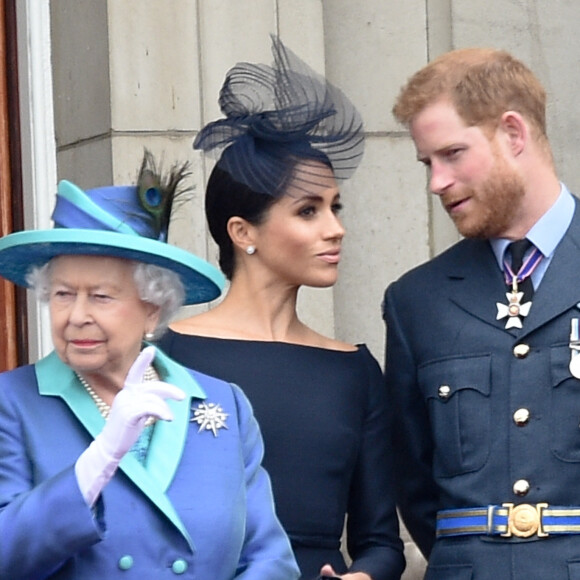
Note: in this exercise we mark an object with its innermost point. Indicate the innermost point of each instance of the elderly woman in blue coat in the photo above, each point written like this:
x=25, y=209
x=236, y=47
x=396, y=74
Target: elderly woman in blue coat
x=116, y=462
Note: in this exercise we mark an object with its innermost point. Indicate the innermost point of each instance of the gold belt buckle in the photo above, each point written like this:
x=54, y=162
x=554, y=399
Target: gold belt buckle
x=524, y=520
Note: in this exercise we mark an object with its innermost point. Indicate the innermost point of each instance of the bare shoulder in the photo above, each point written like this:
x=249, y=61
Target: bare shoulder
x=214, y=324
x=204, y=324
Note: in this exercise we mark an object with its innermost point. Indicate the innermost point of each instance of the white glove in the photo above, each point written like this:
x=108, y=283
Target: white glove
x=132, y=406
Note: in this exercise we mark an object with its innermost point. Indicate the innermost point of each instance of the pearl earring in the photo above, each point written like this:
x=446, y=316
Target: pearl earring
x=250, y=250
x=149, y=336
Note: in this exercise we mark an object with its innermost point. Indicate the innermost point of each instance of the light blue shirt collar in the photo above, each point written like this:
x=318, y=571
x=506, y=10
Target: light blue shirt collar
x=545, y=234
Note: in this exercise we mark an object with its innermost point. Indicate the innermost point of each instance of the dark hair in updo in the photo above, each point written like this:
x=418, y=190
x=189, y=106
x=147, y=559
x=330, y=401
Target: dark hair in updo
x=226, y=198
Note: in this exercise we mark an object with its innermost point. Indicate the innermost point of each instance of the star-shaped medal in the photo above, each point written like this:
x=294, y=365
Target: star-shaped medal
x=513, y=310
x=209, y=417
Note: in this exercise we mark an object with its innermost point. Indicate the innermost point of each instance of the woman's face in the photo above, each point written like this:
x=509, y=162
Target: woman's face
x=98, y=320
x=299, y=241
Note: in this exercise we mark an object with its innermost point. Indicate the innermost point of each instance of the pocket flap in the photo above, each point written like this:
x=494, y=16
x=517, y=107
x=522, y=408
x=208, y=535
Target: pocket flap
x=456, y=572
x=441, y=379
x=574, y=570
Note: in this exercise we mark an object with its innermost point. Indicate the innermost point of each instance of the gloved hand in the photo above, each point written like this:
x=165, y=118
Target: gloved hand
x=132, y=406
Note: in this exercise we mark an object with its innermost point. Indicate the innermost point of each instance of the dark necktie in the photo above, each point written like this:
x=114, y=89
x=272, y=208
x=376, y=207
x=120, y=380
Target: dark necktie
x=517, y=250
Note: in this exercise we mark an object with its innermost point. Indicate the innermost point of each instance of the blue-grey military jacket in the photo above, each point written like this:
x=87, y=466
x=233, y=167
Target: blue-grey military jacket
x=485, y=415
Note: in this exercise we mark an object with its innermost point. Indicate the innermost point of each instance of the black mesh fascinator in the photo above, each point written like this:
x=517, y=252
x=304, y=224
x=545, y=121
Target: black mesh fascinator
x=277, y=116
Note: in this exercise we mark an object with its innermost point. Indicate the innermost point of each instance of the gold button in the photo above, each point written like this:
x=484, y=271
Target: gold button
x=521, y=350
x=444, y=391
x=521, y=487
x=521, y=417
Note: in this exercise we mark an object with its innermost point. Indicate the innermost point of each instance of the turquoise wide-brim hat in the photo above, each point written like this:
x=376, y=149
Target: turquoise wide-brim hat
x=107, y=221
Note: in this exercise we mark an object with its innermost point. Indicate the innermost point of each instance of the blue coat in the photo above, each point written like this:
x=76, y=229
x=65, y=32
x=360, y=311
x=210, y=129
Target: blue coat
x=201, y=507
x=462, y=447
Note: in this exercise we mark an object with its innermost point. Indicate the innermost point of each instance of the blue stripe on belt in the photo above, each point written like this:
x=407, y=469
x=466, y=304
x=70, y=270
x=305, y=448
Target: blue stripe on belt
x=522, y=520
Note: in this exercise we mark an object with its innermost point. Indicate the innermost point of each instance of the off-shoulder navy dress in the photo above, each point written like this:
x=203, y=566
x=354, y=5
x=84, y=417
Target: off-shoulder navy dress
x=324, y=417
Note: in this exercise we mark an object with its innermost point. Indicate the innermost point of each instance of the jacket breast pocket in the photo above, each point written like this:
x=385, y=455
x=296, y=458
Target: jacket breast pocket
x=565, y=407
x=457, y=394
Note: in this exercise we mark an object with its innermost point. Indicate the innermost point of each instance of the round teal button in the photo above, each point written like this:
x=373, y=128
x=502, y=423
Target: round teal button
x=179, y=566
x=126, y=563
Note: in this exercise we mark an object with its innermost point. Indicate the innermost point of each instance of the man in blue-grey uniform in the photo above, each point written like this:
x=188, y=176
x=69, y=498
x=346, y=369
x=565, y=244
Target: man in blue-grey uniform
x=483, y=346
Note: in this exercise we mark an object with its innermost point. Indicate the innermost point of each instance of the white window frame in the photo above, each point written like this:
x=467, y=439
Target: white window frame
x=39, y=169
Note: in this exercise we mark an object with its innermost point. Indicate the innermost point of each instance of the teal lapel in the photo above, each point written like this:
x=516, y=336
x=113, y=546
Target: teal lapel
x=168, y=441
x=169, y=438
x=55, y=379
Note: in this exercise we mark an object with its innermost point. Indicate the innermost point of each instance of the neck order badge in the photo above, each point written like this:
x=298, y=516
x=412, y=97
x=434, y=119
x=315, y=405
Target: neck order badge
x=517, y=275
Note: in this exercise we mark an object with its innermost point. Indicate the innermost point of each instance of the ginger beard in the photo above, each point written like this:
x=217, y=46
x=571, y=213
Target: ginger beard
x=495, y=202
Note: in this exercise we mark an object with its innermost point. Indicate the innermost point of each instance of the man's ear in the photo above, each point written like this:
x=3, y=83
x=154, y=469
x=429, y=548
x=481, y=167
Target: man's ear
x=241, y=232
x=516, y=131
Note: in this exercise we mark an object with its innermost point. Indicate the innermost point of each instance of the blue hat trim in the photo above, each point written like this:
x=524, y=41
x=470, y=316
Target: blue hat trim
x=75, y=209
x=83, y=227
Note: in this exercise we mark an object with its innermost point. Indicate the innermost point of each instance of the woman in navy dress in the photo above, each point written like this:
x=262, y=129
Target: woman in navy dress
x=272, y=205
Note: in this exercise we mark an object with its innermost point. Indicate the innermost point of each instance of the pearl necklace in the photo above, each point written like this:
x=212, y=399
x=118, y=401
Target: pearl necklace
x=104, y=408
